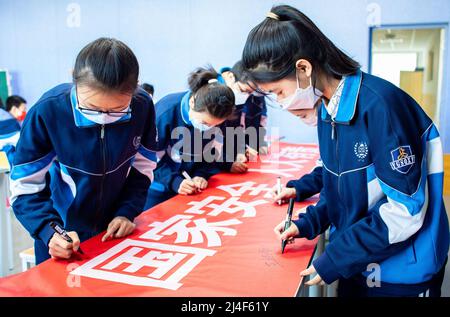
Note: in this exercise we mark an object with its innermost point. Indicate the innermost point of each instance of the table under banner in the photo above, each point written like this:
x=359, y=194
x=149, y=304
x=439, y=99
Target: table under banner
x=219, y=242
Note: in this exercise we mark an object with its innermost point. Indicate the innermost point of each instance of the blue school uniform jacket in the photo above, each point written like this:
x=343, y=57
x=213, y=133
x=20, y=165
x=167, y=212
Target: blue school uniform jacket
x=9, y=133
x=181, y=147
x=233, y=130
x=255, y=113
x=308, y=185
x=382, y=187
x=78, y=173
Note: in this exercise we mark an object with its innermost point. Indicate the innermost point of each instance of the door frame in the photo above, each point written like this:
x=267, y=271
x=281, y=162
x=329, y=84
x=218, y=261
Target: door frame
x=442, y=93
x=407, y=26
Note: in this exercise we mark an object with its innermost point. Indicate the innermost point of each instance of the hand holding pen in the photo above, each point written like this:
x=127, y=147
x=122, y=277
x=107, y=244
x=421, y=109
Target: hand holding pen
x=286, y=231
x=280, y=194
x=63, y=244
x=251, y=153
x=191, y=186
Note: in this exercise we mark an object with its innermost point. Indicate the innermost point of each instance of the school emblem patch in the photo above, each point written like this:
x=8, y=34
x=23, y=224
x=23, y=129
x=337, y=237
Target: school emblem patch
x=136, y=142
x=361, y=150
x=402, y=159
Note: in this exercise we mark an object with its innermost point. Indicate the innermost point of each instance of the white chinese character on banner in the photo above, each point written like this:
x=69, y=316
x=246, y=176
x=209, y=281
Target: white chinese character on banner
x=283, y=168
x=296, y=153
x=240, y=189
x=163, y=262
x=128, y=262
x=231, y=205
x=194, y=231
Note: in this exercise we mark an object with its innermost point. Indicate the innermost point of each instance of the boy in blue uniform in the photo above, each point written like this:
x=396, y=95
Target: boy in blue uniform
x=17, y=107
x=382, y=164
x=10, y=123
x=190, y=136
x=85, y=156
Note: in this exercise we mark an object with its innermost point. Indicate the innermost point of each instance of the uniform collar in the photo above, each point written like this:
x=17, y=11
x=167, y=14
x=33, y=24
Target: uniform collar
x=333, y=104
x=347, y=104
x=184, y=108
x=5, y=115
x=80, y=120
x=220, y=78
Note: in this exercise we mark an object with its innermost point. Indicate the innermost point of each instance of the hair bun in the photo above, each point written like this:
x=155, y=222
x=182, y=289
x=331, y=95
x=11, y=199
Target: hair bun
x=201, y=77
x=223, y=100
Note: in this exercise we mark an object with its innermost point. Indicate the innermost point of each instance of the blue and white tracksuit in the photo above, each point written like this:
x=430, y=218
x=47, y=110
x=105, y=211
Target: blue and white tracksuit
x=9, y=133
x=382, y=187
x=176, y=153
x=308, y=185
x=78, y=173
x=251, y=114
x=254, y=115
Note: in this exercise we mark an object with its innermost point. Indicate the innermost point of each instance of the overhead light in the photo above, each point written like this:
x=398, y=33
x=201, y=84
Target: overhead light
x=389, y=35
x=393, y=41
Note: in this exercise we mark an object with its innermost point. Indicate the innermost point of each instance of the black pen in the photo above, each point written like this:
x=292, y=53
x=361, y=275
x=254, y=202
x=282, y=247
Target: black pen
x=63, y=233
x=287, y=223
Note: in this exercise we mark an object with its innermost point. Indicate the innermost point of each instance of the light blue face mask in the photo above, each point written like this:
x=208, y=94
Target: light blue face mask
x=198, y=125
x=258, y=94
x=103, y=118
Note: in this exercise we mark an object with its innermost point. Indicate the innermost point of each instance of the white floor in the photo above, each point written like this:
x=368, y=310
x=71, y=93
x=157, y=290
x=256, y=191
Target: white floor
x=22, y=241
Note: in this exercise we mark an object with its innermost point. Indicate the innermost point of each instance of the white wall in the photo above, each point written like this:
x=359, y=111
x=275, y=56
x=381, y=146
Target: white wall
x=171, y=37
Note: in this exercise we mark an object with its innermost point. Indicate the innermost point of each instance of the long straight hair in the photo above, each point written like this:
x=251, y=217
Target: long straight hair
x=275, y=45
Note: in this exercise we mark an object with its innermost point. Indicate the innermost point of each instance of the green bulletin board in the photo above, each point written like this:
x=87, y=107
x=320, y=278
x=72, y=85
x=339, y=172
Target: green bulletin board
x=4, y=85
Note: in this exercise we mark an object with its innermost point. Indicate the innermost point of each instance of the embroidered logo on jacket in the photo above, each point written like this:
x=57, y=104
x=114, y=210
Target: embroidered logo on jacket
x=136, y=142
x=402, y=159
x=361, y=150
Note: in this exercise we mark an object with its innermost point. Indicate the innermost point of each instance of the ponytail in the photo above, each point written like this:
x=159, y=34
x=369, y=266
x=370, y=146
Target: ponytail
x=210, y=95
x=286, y=35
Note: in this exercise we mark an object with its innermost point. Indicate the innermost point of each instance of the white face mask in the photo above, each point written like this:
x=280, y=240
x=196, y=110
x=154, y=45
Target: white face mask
x=240, y=97
x=310, y=118
x=301, y=98
x=257, y=94
x=103, y=118
x=198, y=125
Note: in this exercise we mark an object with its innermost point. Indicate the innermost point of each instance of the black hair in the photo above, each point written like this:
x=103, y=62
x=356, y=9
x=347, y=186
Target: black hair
x=275, y=45
x=148, y=88
x=211, y=96
x=107, y=64
x=238, y=71
x=14, y=101
x=1, y=103
x=241, y=75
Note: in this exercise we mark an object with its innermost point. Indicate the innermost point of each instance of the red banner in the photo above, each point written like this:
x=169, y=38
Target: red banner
x=217, y=243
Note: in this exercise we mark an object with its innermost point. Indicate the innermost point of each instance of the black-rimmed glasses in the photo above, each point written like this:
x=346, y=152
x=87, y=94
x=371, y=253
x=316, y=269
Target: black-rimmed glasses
x=88, y=111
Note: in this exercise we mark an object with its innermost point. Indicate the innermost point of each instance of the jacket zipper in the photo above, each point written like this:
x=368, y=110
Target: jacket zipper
x=335, y=137
x=102, y=144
